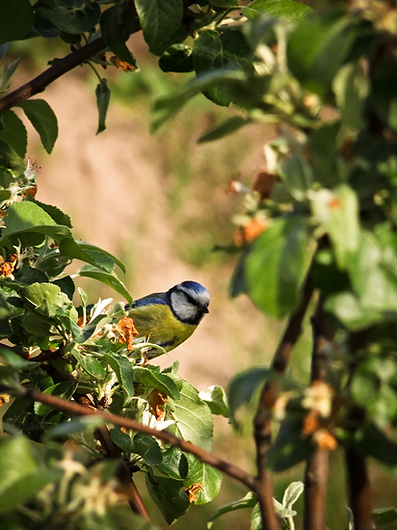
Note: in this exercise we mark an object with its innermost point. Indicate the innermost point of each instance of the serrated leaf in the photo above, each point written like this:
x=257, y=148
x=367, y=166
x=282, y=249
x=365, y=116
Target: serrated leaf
x=174, y=463
x=14, y=132
x=107, y=278
x=157, y=380
x=117, y=24
x=193, y=418
x=90, y=364
x=16, y=19
x=48, y=299
x=43, y=119
x=53, y=211
x=102, y=93
x=351, y=87
x=177, y=58
x=123, y=369
x=85, y=424
x=159, y=19
x=276, y=266
x=384, y=516
x=209, y=478
x=91, y=254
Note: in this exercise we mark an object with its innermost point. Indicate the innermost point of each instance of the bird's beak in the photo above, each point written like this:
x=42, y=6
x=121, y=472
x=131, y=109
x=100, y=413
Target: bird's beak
x=205, y=309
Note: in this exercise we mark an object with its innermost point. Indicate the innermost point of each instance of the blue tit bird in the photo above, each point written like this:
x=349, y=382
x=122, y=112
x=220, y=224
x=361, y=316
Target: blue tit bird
x=168, y=319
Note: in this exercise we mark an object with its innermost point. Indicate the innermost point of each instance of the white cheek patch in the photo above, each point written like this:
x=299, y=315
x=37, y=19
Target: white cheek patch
x=182, y=307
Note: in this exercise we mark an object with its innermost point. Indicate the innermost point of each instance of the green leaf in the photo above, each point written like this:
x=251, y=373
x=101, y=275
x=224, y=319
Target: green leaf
x=337, y=212
x=316, y=65
x=276, y=8
x=174, y=463
x=243, y=387
x=122, y=367
x=148, y=448
x=107, y=278
x=64, y=390
x=169, y=105
x=193, y=418
x=21, y=476
x=214, y=51
x=216, y=399
x=167, y=495
x=87, y=424
x=152, y=378
x=227, y=127
x=43, y=120
x=90, y=364
x=117, y=24
x=177, y=58
x=48, y=299
x=53, y=211
x=351, y=88
x=384, y=516
x=102, y=93
x=14, y=132
x=277, y=264
x=383, y=97
x=92, y=254
x=209, y=478
x=71, y=17
x=121, y=439
x=16, y=19
x=292, y=493
x=289, y=448
x=248, y=501
x=160, y=20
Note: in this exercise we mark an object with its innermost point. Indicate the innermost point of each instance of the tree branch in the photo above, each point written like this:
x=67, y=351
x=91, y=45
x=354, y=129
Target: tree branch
x=263, y=417
x=61, y=67
x=81, y=410
x=360, y=491
x=316, y=473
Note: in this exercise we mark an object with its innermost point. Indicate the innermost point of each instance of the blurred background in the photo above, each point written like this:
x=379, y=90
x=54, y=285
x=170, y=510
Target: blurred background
x=161, y=204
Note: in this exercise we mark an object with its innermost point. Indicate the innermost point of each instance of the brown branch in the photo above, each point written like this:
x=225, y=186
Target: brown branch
x=316, y=474
x=123, y=473
x=263, y=417
x=61, y=67
x=360, y=491
x=206, y=457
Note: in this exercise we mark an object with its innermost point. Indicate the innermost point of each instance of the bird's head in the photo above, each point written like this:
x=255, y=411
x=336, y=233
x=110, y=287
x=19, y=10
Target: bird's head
x=189, y=301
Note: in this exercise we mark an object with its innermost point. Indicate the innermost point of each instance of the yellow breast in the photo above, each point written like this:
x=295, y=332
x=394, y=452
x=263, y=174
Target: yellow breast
x=159, y=325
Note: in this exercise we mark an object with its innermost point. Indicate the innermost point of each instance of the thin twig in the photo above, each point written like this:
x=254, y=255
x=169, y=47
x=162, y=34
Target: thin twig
x=206, y=457
x=123, y=474
x=263, y=417
x=316, y=474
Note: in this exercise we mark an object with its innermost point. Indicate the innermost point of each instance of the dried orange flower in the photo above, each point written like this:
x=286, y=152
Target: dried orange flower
x=8, y=267
x=311, y=423
x=325, y=440
x=192, y=491
x=31, y=191
x=122, y=65
x=127, y=330
x=249, y=232
x=157, y=401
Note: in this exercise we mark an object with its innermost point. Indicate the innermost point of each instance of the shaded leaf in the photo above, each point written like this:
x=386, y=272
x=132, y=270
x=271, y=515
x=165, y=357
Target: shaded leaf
x=16, y=19
x=102, y=93
x=43, y=120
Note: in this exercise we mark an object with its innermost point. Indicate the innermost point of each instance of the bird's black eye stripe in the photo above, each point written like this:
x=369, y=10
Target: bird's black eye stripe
x=190, y=299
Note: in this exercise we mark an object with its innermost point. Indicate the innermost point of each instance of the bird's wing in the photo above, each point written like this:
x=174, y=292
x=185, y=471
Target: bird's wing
x=150, y=299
